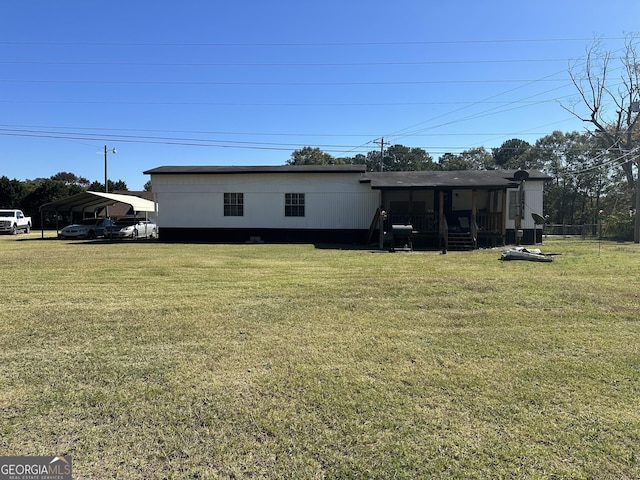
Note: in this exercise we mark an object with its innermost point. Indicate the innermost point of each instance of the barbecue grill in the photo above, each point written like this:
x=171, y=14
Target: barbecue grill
x=401, y=237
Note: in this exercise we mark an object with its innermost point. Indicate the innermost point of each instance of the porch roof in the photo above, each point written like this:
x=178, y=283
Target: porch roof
x=460, y=179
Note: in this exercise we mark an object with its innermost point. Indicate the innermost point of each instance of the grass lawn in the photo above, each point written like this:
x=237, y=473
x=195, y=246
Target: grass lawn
x=152, y=360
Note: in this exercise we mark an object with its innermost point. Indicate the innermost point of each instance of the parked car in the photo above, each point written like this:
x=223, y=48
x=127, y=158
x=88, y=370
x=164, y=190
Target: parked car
x=86, y=228
x=132, y=228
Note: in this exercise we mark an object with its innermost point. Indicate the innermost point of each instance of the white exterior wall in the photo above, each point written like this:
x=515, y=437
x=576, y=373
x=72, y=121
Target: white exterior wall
x=533, y=196
x=426, y=197
x=332, y=200
x=461, y=200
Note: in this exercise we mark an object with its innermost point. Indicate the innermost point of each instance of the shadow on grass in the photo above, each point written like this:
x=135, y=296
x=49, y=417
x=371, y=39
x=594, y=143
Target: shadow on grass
x=88, y=241
x=372, y=248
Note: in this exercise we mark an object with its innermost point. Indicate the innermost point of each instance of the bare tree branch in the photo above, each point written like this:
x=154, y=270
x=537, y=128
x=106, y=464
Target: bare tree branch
x=590, y=77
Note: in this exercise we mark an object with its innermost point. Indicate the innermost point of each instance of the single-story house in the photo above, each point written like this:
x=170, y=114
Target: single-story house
x=345, y=204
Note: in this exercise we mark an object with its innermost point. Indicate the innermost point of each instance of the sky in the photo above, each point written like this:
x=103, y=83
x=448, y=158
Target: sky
x=197, y=82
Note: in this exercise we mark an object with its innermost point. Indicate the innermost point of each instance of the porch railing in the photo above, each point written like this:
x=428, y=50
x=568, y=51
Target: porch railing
x=426, y=223
x=489, y=222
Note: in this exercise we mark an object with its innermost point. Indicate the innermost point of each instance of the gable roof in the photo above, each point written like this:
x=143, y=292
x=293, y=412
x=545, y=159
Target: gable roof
x=91, y=201
x=462, y=179
x=204, y=169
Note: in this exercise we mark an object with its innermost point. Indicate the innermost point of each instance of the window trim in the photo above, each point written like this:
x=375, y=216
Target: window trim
x=294, y=205
x=233, y=204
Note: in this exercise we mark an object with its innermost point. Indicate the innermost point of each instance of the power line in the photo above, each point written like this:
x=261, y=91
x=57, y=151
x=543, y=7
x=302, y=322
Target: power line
x=188, y=141
x=309, y=44
x=156, y=139
x=101, y=130
x=476, y=115
x=279, y=84
x=291, y=104
x=279, y=64
x=486, y=99
x=272, y=146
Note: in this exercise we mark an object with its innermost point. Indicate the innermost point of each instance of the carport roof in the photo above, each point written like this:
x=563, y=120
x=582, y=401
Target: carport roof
x=91, y=201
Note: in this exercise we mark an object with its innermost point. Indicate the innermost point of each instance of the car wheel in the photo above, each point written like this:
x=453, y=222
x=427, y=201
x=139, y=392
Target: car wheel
x=91, y=235
x=14, y=230
x=28, y=229
x=134, y=235
x=153, y=233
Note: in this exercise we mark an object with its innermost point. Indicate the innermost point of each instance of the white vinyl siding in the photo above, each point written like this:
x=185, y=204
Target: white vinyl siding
x=331, y=200
x=533, y=197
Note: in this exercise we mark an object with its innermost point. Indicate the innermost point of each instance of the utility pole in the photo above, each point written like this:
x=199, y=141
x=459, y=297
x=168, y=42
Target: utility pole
x=106, y=184
x=381, y=141
x=636, y=226
x=635, y=108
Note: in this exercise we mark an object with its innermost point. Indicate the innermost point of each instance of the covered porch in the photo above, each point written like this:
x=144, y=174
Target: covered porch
x=456, y=219
x=446, y=210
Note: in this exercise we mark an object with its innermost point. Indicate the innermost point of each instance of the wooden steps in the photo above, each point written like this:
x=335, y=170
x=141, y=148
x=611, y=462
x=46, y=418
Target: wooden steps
x=461, y=241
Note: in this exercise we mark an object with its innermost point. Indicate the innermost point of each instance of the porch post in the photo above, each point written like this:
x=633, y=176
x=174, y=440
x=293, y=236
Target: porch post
x=495, y=227
x=503, y=227
x=474, y=214
x=411, y=207
x=442, y=236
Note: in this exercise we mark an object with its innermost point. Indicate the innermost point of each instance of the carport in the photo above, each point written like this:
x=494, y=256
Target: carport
x=91, y=201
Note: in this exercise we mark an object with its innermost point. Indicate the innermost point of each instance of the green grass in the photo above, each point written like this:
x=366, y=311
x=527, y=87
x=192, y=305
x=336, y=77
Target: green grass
x=152, y=360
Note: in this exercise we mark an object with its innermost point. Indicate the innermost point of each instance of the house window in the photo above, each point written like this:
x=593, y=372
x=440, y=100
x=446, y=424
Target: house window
x=233, y=204
x=294, y=204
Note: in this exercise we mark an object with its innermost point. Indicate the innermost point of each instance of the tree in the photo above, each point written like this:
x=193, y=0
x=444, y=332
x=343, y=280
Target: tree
x=575, y=193
x=120, y=186
x=70, y=179
x=612, y=107
x=473, y=159
x=478, y=158
x=408, y=159
x=398, y=158
x=11, y=192
x=45, y=191
x=96, y=186
x=310, y=156
x=512, y=154
x=609, y=104
x=147, y=186
x=451, y=161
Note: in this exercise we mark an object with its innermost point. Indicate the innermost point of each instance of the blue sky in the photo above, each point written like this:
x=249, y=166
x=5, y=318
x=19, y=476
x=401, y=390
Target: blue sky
x=200, y=82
